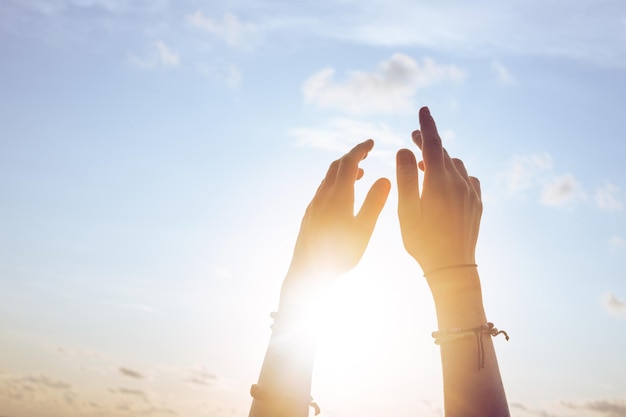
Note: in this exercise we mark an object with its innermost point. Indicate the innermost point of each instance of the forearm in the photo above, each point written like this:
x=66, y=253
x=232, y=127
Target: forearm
x=471, y=376
x=284, y=385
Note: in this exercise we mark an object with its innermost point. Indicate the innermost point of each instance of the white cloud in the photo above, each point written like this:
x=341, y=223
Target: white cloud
x=526, y=171
x=502, y=73
x=230, y=29
x=486, y=26
x=561, y=191
x=606, y=198
x=341, y=134
x=614, y=306
x=159, y=55
x=166, y=56
x=388, y=89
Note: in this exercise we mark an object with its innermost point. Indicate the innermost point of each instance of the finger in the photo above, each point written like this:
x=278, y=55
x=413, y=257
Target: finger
x=360, y=173
x=432, y=150
x=460, y=168
x=475, y=183
x=349, y=165
x=372, y=206
x=447, y=160
x=408, y=187
x=329, y=180
x=420, y=165
x=417, y=138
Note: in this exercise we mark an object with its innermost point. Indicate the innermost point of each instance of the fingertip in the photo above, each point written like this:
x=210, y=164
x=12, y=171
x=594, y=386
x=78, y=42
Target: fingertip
x=475, y=182
x=420, y=165
x=425, y=116
x=405, y=157
x=362, y=149
x=416, y=136
x=384, y=184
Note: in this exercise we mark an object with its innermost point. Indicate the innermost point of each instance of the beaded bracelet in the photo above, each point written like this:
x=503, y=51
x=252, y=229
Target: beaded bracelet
x=450, y=335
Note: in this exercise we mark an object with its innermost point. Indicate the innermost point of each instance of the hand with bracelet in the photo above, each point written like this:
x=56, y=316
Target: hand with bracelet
x=439, y=229
x=331, y=241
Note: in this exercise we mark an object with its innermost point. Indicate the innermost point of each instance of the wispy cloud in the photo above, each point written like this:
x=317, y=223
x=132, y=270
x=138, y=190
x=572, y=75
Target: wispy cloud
x=47, y=382
x=614, y=306
x=130, y=391
x=480, y=26
x=201, y=377
x=606, y=408
x=37, y=388
x=524, y=172
x=607, y=198
x=388, y=89
x=561, y=191
x=229, y=28
x=536, y=172
x=160, y=55
x=130, y=373
x=502, y=73
x=340, y=134
x=523, y=410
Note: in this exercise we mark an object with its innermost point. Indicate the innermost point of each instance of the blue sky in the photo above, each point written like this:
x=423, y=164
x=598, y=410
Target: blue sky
x=156, y=158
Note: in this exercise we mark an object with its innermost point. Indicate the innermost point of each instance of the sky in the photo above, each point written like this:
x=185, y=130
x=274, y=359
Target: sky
x=156, y=157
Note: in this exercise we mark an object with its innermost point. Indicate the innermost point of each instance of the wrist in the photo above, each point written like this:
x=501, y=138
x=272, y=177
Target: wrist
x=458, y=297
x=302, y=292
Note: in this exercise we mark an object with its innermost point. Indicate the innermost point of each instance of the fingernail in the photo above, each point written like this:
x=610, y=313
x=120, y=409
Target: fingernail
x=405, y=157
x=426, y=111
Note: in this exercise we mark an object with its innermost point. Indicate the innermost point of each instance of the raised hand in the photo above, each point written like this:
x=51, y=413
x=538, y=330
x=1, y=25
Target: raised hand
x=332, y=238
x=440, y=226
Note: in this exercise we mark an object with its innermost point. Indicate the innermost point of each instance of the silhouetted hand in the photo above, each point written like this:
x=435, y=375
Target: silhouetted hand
x=440, y=227
x=332, y=239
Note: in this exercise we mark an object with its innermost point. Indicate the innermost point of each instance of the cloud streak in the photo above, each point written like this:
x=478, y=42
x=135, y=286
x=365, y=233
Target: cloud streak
x=160, y=55
x=388, y=89
x=614, y=306
x=341, y=134
x=229, y=28
x=201, y=377
x=607, y=198
x=561, y=191
x=606, y=408
x=131, y=373
x=536, y=172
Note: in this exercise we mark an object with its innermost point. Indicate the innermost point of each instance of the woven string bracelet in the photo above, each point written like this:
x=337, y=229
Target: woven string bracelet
x=450, y=335
x=258, y=394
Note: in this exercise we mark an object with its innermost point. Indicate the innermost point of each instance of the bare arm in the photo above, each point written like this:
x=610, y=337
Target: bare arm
x=331, y=241
x=440, y=229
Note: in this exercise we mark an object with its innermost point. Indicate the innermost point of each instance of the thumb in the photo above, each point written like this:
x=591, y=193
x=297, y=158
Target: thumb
x=372, y=206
